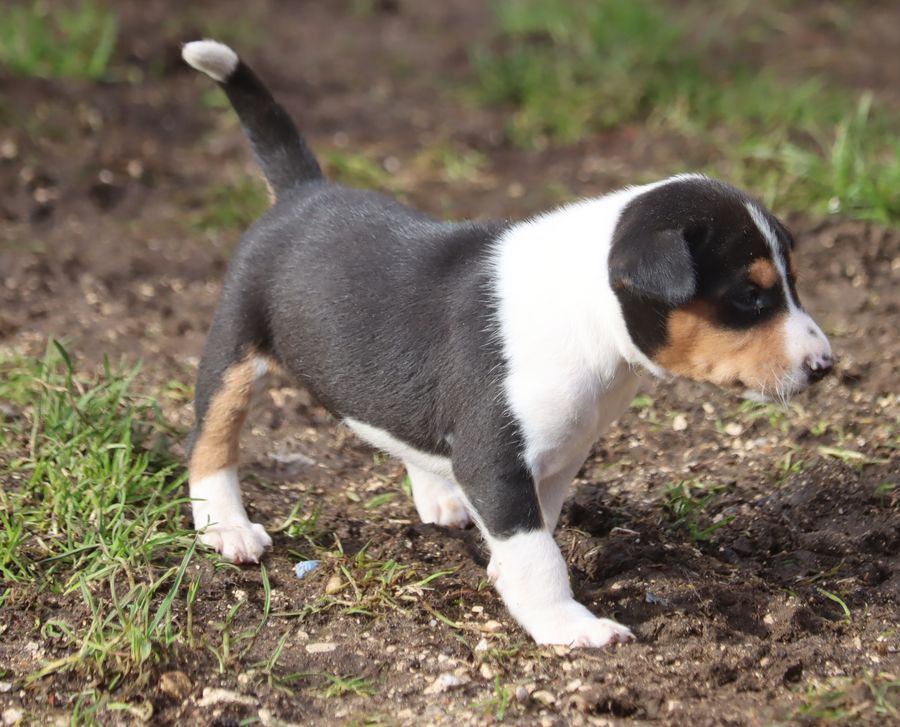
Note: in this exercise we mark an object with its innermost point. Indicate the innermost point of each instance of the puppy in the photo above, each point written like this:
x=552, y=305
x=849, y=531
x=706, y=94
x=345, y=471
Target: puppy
x=487, y=356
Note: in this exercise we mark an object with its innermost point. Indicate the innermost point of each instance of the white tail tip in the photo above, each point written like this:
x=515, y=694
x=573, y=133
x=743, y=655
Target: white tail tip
x=215, y=59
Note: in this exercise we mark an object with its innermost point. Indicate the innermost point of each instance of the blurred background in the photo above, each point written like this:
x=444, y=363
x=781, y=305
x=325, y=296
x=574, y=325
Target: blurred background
x=125, y=183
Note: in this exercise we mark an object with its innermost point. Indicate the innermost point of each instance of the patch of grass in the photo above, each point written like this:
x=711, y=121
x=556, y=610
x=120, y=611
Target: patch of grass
x=231, y=205
x=570, y=69
x=90, y=513
x=498, y=703
x=868, y=700
x=370, y=586
x=65, y=40
x=333, y=685
x=355, y=170
x=838, y=600
x=789, y=465
x=777, y=416
x=851, y=168
x=450, y=162
x=850, y=457
x=686, y=501
x=561, y=64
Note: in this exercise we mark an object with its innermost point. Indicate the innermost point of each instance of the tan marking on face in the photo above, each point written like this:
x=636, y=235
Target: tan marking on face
x=763, y=273
x=218, y=443
x=791, y=266
x=700, y=349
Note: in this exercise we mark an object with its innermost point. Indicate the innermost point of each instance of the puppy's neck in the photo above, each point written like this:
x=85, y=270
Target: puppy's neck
x=555, y=301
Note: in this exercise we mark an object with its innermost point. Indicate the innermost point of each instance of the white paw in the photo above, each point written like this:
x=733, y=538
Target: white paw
x=571, y=624
x=599, y=632
x=242, y=543
x=448, y=510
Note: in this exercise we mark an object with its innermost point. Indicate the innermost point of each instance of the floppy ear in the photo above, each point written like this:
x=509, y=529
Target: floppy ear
x=654, y=265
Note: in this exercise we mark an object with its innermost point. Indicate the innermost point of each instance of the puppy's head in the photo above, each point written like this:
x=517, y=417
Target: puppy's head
x=706, y=281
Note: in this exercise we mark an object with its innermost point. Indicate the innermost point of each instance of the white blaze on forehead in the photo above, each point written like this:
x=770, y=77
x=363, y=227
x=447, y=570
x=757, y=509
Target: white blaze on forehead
x=802, y=336
x=775, y=248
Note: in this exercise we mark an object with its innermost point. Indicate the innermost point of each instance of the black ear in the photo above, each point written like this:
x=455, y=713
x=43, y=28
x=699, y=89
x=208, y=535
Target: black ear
x=654, y=265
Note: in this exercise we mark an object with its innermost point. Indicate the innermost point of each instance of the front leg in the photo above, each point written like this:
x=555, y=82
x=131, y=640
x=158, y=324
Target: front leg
x=530, y=574
x=526, y=565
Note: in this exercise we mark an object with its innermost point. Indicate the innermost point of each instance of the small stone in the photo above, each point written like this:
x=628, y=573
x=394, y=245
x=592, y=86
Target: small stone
x=522, y=694
x=482, y=646
x=335, y=583
x=12, y=716
x=176, y=684
x=579, y=703
x=768, y=620
x=486, y=671
x=9, y=149
x=734, y=429
x=305, y=567
x=491, y=627
x=214, y=695
x=650, y=597
x=321, y=647
x=5, y=687
x=446, y=682
x=544, y=697
x=679, y=423
x=573, y=686
x=135, y=168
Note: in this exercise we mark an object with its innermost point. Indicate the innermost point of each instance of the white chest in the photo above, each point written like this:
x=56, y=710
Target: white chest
x=562, y=419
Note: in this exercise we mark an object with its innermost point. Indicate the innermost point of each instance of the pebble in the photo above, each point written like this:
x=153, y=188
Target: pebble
x=482, y=646
x=577, y=702
x=321, y=647
x=12, y=716
x=679, y=423
x=446, y=682
x=215, y=695
x=176, y=684
x=544, y=697
x=268, y=719
x=650, y=597
x=335, y=583
x=304, y=567
x=491, y=627
x=486, y=671
x=522, y=694
x=7, y=686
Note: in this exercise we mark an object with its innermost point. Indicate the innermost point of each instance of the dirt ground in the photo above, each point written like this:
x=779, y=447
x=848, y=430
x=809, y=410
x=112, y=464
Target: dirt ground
x=98, y=185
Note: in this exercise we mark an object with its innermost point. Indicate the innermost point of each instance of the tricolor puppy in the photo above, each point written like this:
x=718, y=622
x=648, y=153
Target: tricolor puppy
x=488, y=356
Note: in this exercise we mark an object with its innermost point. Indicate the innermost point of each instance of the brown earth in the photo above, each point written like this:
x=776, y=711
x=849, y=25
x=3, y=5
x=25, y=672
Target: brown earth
x=98, y=184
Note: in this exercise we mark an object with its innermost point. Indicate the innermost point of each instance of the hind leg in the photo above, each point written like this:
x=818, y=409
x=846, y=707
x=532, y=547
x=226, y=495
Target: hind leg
x=227, y=377
x=438, y=499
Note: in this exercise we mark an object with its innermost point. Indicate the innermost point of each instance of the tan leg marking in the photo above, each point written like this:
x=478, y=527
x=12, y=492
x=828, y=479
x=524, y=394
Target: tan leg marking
x=218, y=445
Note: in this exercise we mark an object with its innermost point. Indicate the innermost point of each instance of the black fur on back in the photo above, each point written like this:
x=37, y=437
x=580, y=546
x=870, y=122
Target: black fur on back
x=388, y=317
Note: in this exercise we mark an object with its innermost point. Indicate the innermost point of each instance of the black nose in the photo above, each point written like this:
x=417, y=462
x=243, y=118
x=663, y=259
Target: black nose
x=818, y=367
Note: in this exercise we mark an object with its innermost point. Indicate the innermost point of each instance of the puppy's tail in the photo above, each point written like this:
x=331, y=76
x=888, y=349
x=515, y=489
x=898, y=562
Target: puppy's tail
x=285, y=158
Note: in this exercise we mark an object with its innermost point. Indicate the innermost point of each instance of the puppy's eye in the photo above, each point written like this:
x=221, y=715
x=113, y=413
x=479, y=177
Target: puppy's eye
x=748, y=298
